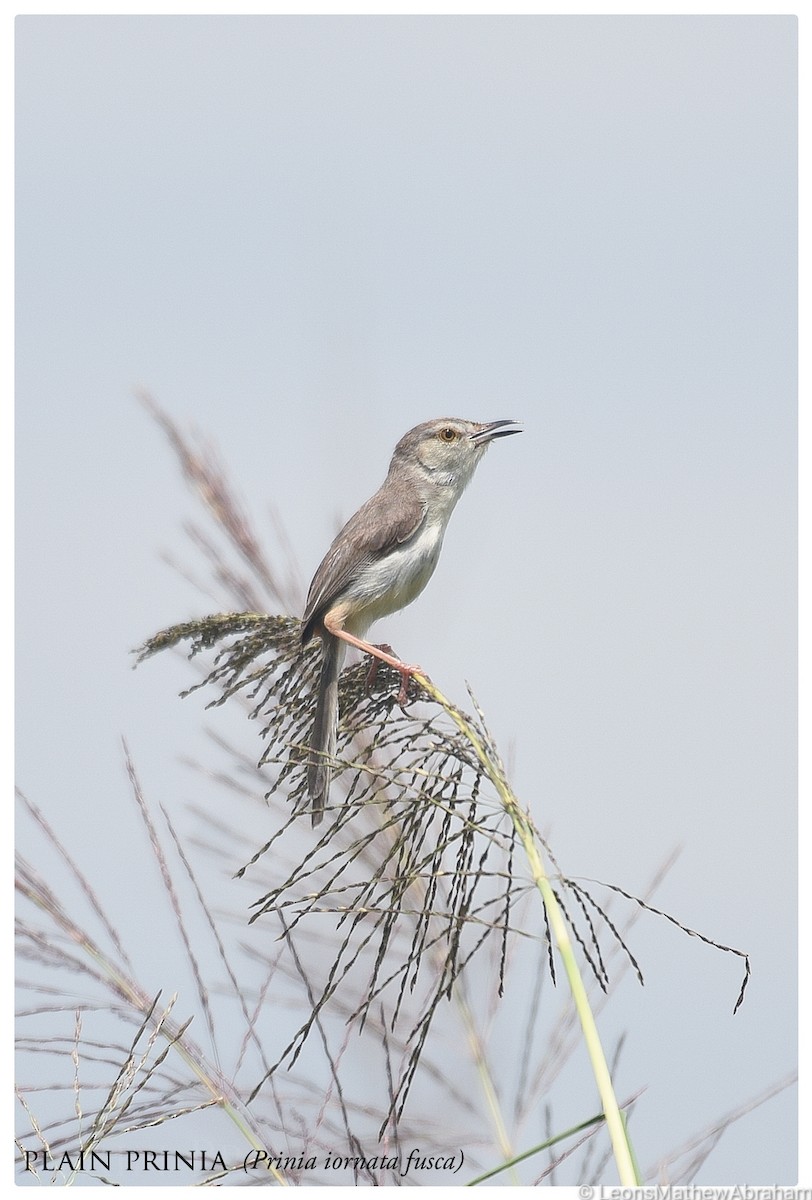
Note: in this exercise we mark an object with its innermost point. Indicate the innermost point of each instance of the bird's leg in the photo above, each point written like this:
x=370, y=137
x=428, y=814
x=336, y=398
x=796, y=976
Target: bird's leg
x=374, y=664
x=405, y=681
x=374, y=667
x=379, y=654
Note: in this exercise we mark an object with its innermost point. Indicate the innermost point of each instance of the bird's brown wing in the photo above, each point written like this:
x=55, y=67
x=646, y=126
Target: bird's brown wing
x=385, y=521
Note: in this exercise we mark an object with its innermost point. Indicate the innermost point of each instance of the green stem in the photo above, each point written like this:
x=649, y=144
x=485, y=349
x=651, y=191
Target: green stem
x=621, y=1146
x=553, y=1141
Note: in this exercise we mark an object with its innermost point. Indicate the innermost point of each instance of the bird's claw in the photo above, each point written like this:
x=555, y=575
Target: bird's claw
x=404, y=670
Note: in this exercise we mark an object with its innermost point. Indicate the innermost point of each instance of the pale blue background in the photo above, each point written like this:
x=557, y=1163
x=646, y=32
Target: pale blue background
x=306, y=235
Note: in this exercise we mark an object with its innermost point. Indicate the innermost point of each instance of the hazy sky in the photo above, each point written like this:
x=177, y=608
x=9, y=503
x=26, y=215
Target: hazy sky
x=305, y=235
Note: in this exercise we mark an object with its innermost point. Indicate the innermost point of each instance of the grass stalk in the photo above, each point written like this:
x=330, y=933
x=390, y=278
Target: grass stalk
x=485, y=1078
x=172, y=1034
x=621, y=1146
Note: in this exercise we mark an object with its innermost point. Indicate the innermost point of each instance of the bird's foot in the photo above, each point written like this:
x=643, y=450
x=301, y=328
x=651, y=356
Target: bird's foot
x=404, y=670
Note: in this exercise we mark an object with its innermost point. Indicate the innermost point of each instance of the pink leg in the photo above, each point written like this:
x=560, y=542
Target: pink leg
x=378, y=653
x=372, y=673
x=403, y=694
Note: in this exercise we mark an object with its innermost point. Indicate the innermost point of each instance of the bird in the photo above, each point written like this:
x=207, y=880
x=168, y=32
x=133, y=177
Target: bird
x=381, y=560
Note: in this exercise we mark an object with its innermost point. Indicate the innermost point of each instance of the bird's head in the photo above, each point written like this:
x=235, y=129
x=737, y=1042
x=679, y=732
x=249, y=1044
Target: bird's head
x=449, y=448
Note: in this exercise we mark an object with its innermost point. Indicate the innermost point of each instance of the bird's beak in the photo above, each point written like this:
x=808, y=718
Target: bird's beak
x=493, y=429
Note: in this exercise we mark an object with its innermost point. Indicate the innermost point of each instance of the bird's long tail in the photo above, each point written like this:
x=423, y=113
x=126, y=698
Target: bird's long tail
x=325, y=727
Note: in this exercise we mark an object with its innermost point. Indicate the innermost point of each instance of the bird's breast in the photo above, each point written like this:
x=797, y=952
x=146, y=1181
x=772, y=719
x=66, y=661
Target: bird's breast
x=396, y=578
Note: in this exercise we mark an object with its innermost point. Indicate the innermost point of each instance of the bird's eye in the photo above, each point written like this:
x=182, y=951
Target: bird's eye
x=448, y=434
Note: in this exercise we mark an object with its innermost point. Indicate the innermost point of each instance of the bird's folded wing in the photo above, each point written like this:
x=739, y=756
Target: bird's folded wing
x=387, y=520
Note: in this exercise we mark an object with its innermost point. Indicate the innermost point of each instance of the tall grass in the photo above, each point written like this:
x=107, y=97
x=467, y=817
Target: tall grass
x=349, y=996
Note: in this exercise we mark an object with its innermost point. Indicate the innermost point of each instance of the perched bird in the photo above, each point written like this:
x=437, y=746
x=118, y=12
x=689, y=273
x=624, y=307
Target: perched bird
x=381, y=561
